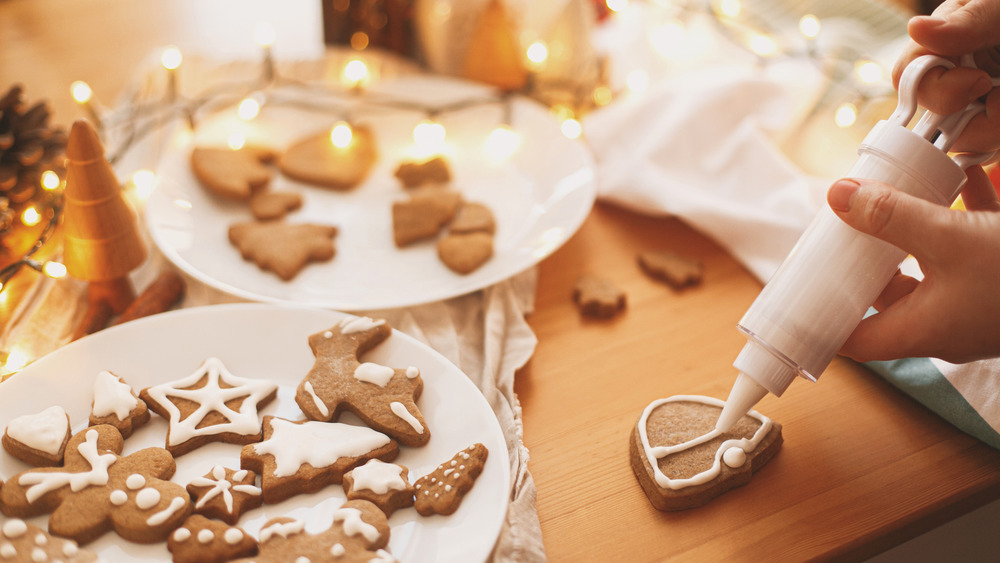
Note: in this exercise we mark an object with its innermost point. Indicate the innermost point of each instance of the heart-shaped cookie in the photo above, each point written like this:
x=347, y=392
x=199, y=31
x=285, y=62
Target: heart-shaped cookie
x=682, y=461
x=316, y=160
x=465, y=252
x=38, y=439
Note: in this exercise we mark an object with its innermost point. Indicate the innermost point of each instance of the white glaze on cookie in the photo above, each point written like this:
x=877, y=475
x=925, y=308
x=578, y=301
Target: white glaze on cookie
x=374, y=373
x=379, y=477
x=112, y=396
x=354, y=523
x=45, y=431
x=41, y=483
x=283, y=529
x=232, y=536
x=655, y=453
x=399, y=409
x=320, y=405
x=317, y=443
x=162, y=516
x=221, y=486
x=358, y=324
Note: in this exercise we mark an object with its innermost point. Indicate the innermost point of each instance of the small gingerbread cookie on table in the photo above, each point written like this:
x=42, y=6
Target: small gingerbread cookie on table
x=598, y=297
x=201, y=540
x=115, y=403
x=38, y=439
x=225, y=493
x=672, y=269
x=442, y=490
x=21, y=541
x=385, y=485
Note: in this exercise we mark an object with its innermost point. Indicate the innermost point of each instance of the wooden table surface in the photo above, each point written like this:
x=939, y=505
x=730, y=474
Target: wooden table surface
x=862, y=468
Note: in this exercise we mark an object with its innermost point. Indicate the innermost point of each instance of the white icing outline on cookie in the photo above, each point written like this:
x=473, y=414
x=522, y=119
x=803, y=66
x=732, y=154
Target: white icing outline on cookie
x=41, y=483
x=659, y=452
x=112, y=396
x=320, y=444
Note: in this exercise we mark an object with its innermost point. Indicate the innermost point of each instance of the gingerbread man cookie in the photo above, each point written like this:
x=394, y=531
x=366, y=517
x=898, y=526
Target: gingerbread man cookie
x=97, y=490
x=383, y=397
x=38, y=439
x=304, y=457
x=210, y=405
x=359, y=532
x=386, y=485
x=224, y=493
x=442, y=490
x=115, y=403
x=201, y=540
x=21, y=541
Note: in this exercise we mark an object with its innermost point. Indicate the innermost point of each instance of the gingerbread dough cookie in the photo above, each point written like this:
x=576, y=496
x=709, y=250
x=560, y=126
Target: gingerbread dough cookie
x=21, y=541
x=431, y=171
x=269, y=206
x=464, y=253
x=283, y=248
x=38, y=439
x=316, y=160
x=115, y=403
x=473, y=217
x=598, y=297
x=442, y=490
x=385, y=485
x=676, y=271
x=682, y=461
x=225, y=493
x=383, y=397
x=232, y=174
x=423, y=215
x=201, y=540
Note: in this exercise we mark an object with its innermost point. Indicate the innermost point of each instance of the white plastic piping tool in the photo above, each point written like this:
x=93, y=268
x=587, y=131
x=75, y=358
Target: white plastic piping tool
x=834, y=273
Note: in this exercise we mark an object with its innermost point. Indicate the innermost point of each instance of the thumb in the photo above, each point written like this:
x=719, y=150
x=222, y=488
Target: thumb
x=886, y=213
x=958, y=28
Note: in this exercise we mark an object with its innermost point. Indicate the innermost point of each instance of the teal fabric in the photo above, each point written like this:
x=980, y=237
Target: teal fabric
x=918, y=378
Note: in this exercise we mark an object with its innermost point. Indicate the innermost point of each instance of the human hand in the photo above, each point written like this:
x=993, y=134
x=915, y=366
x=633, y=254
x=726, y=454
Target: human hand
x=959, y=27
x=954, y=312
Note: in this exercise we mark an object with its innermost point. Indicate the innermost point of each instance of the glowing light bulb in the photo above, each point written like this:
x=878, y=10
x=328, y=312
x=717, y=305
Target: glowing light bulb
x=50, y=180
x=730, y=8
x=248, y=109
x=501, y=143
x=429, y=134
x=30, y=217
x=538, y=52
x=809, y=26
x=603, y=95
x=637, y=81
x=16, y=359
x=144, y=181
x=617, y=5
x=355, y=73
x=571, y=128
x=763, y=45
x=846, y=115
x=171, y=58
x=868, y=72
x=263, y=34
x=81, y=91
x=236, y=141
x=54, y=270
x=341, y=135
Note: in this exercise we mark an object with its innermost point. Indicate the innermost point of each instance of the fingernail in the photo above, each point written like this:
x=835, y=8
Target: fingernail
x=932, y=21
x=841, y=193
x=982, y=86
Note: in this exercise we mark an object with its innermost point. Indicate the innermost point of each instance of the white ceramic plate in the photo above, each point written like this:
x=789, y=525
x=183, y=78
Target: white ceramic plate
x=270, y=342
x=540, y=195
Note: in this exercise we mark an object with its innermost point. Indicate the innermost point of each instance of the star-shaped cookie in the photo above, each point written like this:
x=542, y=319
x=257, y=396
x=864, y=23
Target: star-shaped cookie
x=224, y=493
x=383, y=397
x=210, y=405
x=283, y=248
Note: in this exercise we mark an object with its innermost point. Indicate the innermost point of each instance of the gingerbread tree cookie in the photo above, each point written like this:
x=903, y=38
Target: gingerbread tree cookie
x=97, y=490
x=383, y=397
x=304, y=457
x=283, y=248
x=201, y=540
x=224, y=493
x=210, y=405
x=442, y=490
x=115, y=403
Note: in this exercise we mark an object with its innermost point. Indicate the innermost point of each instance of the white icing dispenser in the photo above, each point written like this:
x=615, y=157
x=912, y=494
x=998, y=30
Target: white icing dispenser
x=834, y=273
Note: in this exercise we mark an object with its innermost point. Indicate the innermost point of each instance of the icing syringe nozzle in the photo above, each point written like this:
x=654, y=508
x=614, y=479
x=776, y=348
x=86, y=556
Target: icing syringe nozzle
x=742, y=397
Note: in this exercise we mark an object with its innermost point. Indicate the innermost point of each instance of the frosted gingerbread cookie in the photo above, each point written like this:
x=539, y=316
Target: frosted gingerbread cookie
x=225, y=494
x=97, y=490
x=210, y=405
x=414, y=173
x=201, y=540
x=682, y=461
x=442, y=490
x=316, y=160
x=283, y=248
x=383, y=397
x=21, y=541
x=304, y=457
x=38, y=439
x=115, y=403
x=232, y=174
x=359, y=532
x=385, y=485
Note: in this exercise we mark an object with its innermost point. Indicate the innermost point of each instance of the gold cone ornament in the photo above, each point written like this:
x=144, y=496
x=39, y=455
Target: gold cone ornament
x=494, y=55
x=102, y=243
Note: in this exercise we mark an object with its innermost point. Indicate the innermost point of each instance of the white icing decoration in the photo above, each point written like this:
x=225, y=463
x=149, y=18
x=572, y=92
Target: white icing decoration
x=447, y=488
x=465, y=455
x=212, y=397
x=7, y=550
x=112, y=396
x=205, y=536
x=453, y=462
x=147, y=498
x=399, y=409
x=118, y=497
x=182, y=534
x=135, y=481
x=354, y=524
x=455, y=475
x=42, y=483
x=461, y=467
x=446, y=472
x=317, y=443
x=337, y=550
x=302, y=559
x=374, y=373
x=382, y=556
x=379, y=477
x=40, y=539
x=653, y=454
x=233, y=536
x=162, y=516
x=14, y=528
x=38, y=555
x=358, y=324
x=70, y=548
x=734, y=457
x=283, y=529
x=44, y=431
x=412, y=372
x=320, y=405
x=328, y=334
x=220, y=485
x=240, y=475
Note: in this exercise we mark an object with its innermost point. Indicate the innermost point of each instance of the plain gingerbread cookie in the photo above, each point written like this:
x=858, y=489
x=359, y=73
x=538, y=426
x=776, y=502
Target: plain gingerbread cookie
x=232, y=174
x=283, y=248
x=317, y=161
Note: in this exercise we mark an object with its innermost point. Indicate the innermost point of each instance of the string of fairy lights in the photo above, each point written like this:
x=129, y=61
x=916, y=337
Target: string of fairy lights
x=129, y=123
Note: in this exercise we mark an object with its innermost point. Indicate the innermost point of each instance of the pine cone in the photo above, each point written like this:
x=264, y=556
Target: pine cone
x=28, y=146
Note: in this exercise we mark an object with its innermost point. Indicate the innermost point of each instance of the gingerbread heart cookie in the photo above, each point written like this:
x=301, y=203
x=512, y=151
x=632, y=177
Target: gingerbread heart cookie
x=38, y=439
x=463, y=253
x=682, y=461
x=316, y=160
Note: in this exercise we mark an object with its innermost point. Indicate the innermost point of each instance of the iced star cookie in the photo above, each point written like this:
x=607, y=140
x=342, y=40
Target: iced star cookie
x=442, y=490
x=304, y=457
x=201, y=540
x=225, y=494
x=210, y=405
x=21, y=541
x=383, y=397
x=115, y=403
x=97, y=490
x=385, y=485
x=359, y=532
x=682, y=462
x=38, y=439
